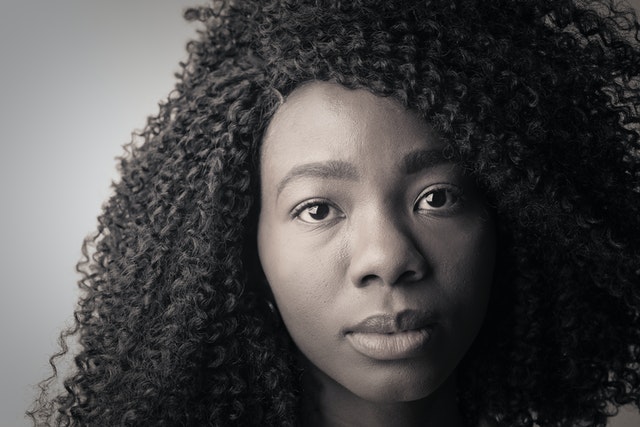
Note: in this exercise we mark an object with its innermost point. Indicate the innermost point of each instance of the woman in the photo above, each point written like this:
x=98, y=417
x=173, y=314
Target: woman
x=372, y=212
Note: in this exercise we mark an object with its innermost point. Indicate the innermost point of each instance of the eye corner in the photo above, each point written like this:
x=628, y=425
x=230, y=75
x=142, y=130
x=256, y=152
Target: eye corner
x=446, y=198
x=325, y=212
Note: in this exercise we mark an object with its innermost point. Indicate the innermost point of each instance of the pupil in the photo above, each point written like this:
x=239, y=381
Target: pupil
x=319, y=211
x=437, y=199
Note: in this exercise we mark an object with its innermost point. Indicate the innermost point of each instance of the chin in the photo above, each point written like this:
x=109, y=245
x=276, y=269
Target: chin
x=406, y=386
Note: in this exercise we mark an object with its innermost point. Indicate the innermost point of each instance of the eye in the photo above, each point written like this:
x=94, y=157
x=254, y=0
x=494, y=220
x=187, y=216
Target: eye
x=440, y=199
x=317, y=211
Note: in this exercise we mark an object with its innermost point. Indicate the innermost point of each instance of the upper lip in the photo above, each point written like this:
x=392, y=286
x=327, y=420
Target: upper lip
x=389, y=323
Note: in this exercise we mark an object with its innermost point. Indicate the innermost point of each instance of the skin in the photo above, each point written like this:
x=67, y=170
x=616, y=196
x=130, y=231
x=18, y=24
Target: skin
x=349, y=228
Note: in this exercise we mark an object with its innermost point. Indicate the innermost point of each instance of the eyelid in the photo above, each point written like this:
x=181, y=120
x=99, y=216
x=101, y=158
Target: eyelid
x=456, y=190
x=300, y=207
x=304, y=205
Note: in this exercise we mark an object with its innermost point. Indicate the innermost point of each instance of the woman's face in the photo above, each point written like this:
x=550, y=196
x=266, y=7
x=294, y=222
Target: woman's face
x=379, y=252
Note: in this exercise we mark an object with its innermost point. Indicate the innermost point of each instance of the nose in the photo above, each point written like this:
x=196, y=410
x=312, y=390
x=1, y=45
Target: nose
x=384, y=251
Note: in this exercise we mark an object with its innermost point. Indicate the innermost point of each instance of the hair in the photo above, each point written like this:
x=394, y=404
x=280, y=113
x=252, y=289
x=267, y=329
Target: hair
x=538, y=100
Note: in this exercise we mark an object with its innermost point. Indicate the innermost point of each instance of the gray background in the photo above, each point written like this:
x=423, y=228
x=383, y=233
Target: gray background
x=77, y=77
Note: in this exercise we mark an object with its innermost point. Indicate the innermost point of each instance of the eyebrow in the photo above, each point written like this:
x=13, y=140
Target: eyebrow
x=412, y=163
x=332, y=169
x=417, y=161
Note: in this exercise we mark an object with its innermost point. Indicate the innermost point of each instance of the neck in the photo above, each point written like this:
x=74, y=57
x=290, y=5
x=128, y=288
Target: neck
x=328, y=404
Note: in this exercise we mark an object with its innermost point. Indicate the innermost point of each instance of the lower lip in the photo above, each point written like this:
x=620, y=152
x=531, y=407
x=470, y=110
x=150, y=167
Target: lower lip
x=398, y=345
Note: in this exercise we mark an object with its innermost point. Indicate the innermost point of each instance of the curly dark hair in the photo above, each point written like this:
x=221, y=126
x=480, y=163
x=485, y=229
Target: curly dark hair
x=538, y=99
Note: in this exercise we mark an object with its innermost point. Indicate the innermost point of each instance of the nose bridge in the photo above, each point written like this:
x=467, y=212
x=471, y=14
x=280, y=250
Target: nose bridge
x=383, y=250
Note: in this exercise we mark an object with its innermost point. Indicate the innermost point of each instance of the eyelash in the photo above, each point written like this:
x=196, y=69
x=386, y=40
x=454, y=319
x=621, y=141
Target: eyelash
x=298, y=210
x=454, y=191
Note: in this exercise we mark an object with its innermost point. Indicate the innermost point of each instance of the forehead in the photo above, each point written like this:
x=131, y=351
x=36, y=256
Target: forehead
x=323, y=121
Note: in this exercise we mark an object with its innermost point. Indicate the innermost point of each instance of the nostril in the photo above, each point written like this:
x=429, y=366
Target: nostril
x=388, y=257
x=408, y=276
x=368, y=279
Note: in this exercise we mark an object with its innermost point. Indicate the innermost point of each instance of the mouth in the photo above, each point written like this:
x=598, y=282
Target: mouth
x=392, y=336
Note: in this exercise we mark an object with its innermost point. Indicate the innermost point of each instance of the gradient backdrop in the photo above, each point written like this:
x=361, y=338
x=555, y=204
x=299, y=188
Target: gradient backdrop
x=77, y=77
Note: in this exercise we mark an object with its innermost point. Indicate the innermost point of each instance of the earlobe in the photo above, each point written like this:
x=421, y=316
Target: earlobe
x=274, y=313
x=263, y=288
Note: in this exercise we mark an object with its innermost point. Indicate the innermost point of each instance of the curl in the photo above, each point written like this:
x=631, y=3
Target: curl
x=537, y=99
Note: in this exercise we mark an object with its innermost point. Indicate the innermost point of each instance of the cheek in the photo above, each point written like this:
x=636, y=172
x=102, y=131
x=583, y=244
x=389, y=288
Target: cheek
x=305, y=295
x=464, y=252
x=467, y=268
x=302, y=279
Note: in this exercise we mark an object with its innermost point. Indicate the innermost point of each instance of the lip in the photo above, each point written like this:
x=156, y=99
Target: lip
x=392, y=336
x=387, y=323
